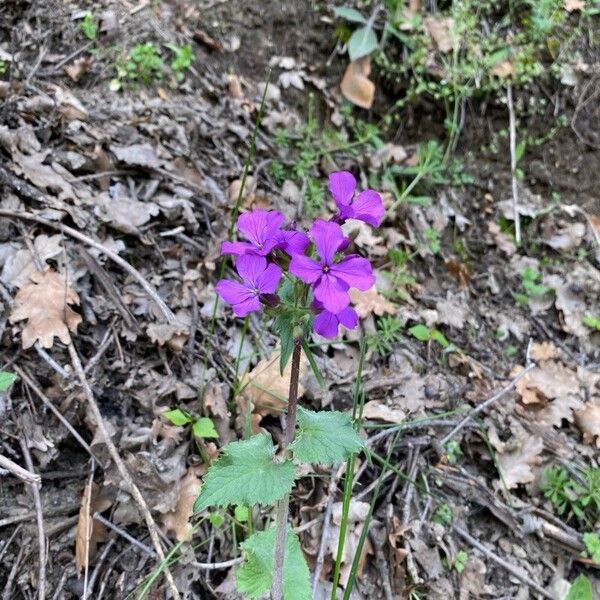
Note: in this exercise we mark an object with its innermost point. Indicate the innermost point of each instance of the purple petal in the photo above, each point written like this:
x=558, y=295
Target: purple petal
x=305, y=268
x=348, y=318
x=250, y=267
x=342, y=185
x=326, y=324
x=328, y=238
x=332, y=293
x=259, y=225
x=233, y=292
x=247, y=306
x=238, y=248
x=268, y=280
x=368, y=207
x=355, y=272
x=295, y=242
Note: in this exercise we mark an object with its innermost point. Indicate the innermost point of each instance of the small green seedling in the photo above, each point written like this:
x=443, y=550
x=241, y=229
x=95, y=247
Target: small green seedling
x=531, y=285
x=424, y=334
x=142, y=65
x=433, y=240
x=592, y=545
x=184, y=56
x=202, y=427
x=581, y=589
x=89, y=27
x=443, y=515
x=2, y=67
x=453, y=451
x=389, y=332
x=592, y=321
x=460, y=561
x=6, y=380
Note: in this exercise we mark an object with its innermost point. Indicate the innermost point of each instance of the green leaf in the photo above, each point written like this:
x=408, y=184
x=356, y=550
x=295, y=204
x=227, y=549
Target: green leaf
x=592, y=545
x=362, y=42
x=255, y=576
x=6, y=380
x=177, y=417
x=519, y=151
x=420, y=332
x=350, y=14
x=216, y=519
x=440, y=338
x=589, y=321
x=241, y=513
x=283, y=324
x=246, y=473
x=581, y=589
x=204, y=428
x=313, y=364
x=324, y=437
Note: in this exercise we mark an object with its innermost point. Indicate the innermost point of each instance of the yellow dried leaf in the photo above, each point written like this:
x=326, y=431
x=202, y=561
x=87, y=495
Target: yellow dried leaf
x=178, y=521
x=371, y=301
x=543, y=351
x=45, y=305
x=266, y=389
x=356, y=85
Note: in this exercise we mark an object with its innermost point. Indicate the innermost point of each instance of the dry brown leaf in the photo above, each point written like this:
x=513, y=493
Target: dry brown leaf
x=215, y=400
x=235, y=86
x=125, y=214
x=174, y=335
x=43, y=176
x=588, y=421
x=371, y=302
x=45, y=305
x=137, y=155
x=503, y=69
x=413, y=9
x=502, y=240
x=573, y=5
x=78, y=68
x=88, y=528
x=543, y=351
x=517, y=459
x=266, y=389
x=362, y=235
x=356, y=85
x=440, y=30
x=178, y=521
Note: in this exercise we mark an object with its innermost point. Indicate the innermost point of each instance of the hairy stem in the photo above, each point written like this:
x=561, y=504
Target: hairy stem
x=283, y=505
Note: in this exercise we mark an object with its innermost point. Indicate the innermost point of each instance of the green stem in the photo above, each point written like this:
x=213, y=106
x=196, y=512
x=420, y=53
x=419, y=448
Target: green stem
x=284, y=504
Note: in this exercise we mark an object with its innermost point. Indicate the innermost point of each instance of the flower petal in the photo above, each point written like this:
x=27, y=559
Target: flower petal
x=368, y=207
x=268, y=280
x=259, y=225
x=233, y=292
x=250, y=267
x=326, y=324
x=305, y=268
x=247, y=306
x=294, y=242
x=332, y=293
x=238, y=248
x=342, y=185
x=328, y=237
x=355, y=272
x=348, y=318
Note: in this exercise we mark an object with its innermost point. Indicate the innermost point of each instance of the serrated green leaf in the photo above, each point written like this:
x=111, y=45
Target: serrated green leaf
x=324, y=437
x=6, y=380
x=285, y=328
x=204, y=428
x=177, y=417
x=350, y=14
x=420, y=332
x=313, y=364
x=581, y=589
x=255, y=577
x=246, y=473
x=362, y=42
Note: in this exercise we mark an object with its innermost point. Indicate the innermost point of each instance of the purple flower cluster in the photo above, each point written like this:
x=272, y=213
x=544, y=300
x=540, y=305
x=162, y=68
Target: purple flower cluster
x=329, y=273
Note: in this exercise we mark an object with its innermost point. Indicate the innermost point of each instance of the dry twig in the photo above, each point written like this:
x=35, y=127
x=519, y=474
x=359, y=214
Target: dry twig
x=513, y=162
x=18, y=471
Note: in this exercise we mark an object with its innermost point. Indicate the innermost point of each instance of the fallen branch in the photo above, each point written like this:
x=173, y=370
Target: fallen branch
x=18, y=471
x=513, y=162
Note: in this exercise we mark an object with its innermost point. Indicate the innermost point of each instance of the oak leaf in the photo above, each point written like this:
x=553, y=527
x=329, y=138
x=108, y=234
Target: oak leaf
x=45, y=304
x=356, y=85
x=371, y=301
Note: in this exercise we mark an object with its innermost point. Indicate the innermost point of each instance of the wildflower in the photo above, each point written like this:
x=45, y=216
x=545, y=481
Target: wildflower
x=327, y=323
x=367, y=206
x=258, y=279
x=261, y=228
x=294, y=242
x=331, y=280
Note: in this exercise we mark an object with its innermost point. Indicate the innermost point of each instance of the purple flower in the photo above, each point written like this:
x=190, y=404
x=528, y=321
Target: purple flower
x=294, y=242
x=331, y=280
x=258, y=278
x=367, y=206
x=327, y=323
x=261, y=228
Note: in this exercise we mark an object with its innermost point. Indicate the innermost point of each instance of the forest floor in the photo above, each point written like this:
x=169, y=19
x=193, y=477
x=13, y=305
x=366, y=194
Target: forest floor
x=115, y=197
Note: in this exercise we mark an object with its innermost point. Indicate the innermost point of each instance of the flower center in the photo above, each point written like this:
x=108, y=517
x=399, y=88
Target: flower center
x=256, y=291
x=326, y=269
